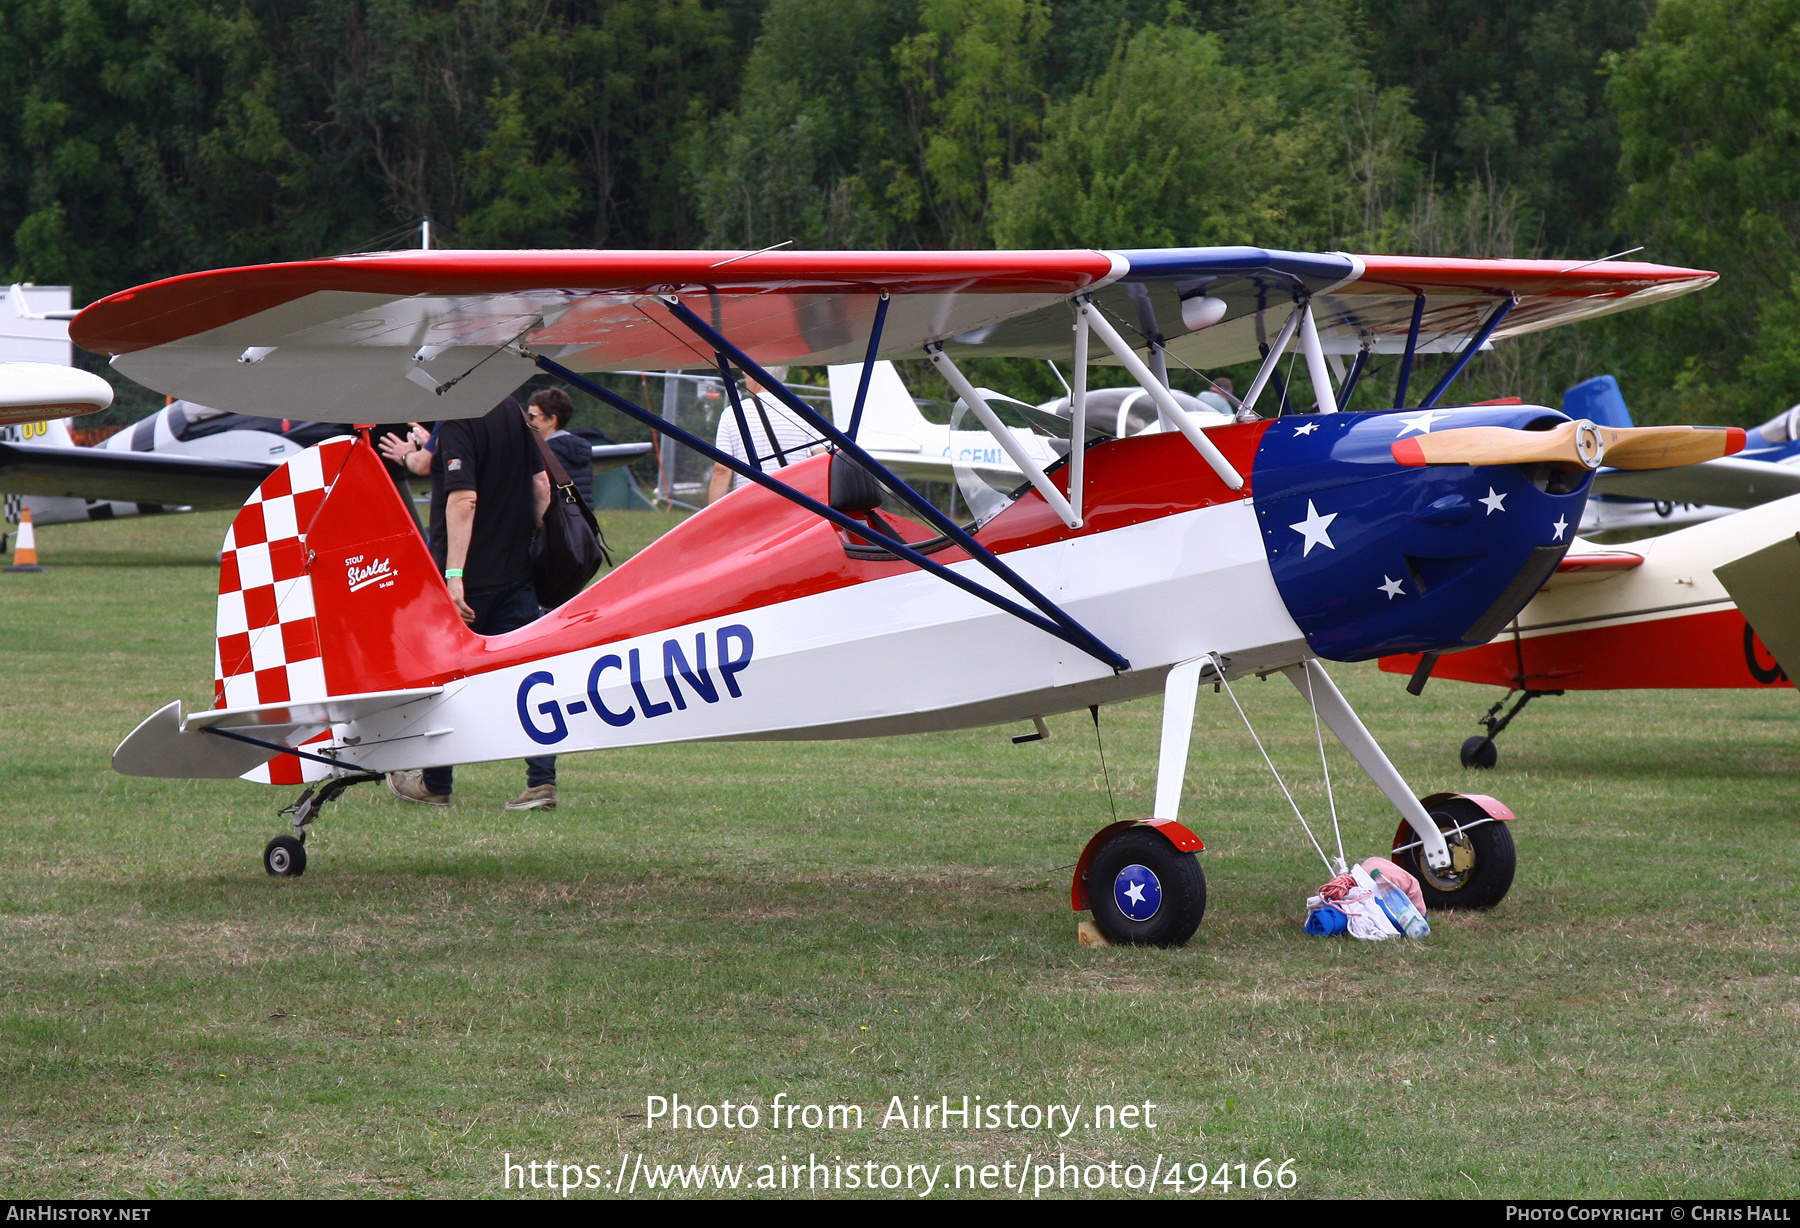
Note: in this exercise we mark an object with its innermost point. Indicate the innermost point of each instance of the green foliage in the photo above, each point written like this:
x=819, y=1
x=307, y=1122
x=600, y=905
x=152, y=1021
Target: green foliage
x=142, y=140
x=1514, y=93
x=145, y=140
x=813, y=150
x=1158, y=153
x=974, y=94
x=1710, y=129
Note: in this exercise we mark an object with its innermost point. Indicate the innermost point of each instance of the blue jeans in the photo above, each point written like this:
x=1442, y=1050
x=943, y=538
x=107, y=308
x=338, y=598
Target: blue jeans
x=499, y=609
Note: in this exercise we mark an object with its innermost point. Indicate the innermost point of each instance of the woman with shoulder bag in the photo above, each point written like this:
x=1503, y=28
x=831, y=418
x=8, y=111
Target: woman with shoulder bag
x=569, y=550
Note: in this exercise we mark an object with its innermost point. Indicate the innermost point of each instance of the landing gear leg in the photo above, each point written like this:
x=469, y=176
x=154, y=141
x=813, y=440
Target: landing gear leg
x=1142, y=880
x=285, y=855
x=1315, y=685
x=1480, y=751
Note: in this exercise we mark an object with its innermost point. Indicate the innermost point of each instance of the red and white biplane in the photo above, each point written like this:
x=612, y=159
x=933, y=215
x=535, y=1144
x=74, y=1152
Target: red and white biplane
x=837, y=602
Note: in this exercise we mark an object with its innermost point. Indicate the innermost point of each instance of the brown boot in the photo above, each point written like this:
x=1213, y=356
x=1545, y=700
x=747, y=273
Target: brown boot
x=538, y=797
x=410, y=787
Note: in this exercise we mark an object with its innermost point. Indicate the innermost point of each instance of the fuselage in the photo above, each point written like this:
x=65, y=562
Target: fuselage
x=757, y=620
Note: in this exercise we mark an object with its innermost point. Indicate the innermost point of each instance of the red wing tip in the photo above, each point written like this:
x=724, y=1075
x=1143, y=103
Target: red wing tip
x=1408, y=452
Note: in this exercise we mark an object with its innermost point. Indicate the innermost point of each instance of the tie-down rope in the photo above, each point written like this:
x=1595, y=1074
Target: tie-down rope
x=1219, y=673
x=1324, y=766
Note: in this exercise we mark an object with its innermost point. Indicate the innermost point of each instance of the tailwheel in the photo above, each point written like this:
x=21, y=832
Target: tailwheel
x=1144, y=891
x=285, y=857
x=1482, y=857
x=1480, y=752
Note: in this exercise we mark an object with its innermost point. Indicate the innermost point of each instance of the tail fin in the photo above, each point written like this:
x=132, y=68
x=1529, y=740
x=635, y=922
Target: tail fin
x=326, y=588
x=1599, y=401
x=889, y=409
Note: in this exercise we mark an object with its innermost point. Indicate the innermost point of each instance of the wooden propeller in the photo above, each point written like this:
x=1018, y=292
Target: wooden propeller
x=1573, y=443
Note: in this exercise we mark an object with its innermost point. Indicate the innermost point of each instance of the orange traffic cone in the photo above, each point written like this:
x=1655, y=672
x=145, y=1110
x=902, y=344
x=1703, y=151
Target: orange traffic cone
x=25, y=553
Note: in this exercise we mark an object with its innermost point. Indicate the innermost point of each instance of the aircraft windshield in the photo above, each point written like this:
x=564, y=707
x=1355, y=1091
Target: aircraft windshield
x=1783, y=427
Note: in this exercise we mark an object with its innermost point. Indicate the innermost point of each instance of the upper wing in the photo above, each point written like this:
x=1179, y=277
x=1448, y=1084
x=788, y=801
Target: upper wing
x=436, y=334
x=128, y=477
x=1730, y=481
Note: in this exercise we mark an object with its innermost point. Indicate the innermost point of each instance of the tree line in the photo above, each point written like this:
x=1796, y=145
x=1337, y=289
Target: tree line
x=143, y=140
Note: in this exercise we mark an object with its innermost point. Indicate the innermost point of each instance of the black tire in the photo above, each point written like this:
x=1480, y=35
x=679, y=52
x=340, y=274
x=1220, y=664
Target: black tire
x=1480, y=752
x=284, y=857
x=1483, y=858
x=1179, y=890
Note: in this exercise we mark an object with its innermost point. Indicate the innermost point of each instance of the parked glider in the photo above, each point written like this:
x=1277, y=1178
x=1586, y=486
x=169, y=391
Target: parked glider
x=182, y=458
x=837, y=602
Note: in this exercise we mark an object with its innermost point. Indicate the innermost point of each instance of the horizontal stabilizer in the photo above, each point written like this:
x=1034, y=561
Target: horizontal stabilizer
x=169, y=744
x=1766, y=586
x=1732, y=481
x=333, y=710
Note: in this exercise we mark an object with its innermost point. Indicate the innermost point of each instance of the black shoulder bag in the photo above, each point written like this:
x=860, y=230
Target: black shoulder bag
x=568, y=550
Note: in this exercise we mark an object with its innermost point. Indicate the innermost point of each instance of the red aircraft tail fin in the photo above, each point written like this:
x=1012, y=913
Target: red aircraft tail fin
x=326, y=588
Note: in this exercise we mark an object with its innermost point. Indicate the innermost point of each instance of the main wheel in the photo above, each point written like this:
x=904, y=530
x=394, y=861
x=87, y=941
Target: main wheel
x=1482, y=858
x=1144, y=891
x=284, y=857
x=1480, y=752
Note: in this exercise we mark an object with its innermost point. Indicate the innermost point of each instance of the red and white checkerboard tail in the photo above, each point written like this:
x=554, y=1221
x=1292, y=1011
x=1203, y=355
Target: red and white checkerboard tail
x=326, y=588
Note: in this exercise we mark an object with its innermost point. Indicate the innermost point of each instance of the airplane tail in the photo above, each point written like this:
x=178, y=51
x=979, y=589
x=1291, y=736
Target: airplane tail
x=1599, y=401
x=889, y=411
x=327, y=589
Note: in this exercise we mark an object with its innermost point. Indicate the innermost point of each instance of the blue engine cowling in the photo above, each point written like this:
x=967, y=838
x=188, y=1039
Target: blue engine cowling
x=1373, y=557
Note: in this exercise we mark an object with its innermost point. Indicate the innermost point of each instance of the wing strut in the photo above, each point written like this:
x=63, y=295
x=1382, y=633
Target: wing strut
x=862, y=383
x=1062, y=627
x=1160, y=394
x=1412, y=349
x=1468, y=352
x=1069, y=629
x=1356, y=370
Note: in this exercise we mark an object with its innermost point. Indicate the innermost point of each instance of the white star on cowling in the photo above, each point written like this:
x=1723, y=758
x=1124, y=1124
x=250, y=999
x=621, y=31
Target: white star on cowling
x=1391, y=587
x=1315, y=528
x=1561, y=526
x=1135, y=893
x=1420, y=422
x=1495, y=503
x=1308, y=429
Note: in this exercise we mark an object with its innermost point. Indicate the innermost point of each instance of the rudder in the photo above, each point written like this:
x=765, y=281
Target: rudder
x=326, y=588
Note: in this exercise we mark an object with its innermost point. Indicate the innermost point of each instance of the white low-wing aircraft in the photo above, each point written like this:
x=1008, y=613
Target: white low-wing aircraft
x=837, y=602
x=182, y=458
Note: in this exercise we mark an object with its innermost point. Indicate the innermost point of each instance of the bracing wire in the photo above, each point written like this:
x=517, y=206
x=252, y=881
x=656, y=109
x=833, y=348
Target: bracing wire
x=1094, y=711
x=1219, y=672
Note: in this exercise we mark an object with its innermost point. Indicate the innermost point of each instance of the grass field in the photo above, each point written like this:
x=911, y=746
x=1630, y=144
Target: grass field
x=847, y=922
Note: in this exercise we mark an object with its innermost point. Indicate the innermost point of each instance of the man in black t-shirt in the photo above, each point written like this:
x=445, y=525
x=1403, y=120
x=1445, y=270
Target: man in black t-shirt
x=488, y=493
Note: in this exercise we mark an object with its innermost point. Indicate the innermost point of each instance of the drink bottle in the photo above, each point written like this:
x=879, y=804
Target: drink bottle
x=1399, y=907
